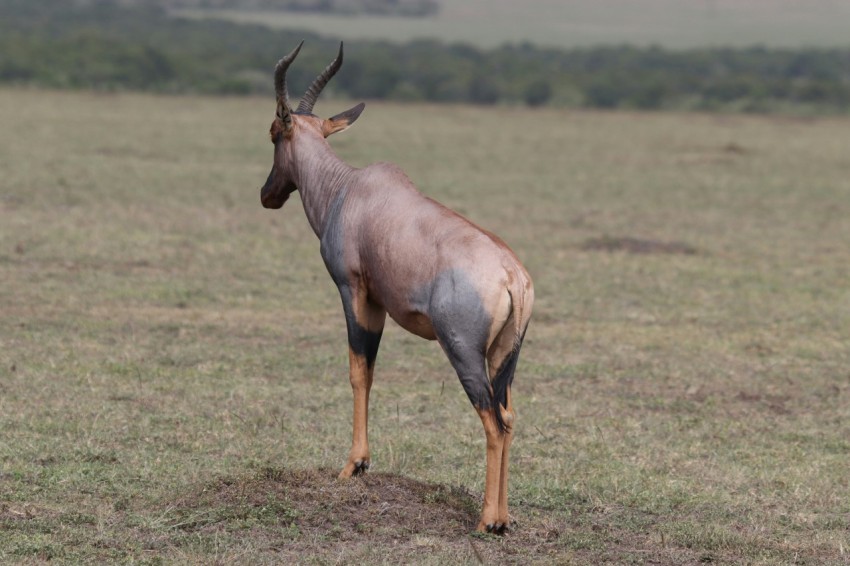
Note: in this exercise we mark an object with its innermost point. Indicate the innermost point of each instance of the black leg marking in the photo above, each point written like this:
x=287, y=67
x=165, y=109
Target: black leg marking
x=363, y=342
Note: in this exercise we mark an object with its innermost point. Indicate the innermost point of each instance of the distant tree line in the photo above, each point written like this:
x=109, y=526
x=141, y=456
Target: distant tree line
x=103, y=44
x=408, y=8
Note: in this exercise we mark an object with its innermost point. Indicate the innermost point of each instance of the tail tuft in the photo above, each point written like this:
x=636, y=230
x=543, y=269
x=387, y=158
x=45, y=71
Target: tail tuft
x=502, y=383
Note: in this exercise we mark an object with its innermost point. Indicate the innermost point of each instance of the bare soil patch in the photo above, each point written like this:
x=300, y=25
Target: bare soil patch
x=322, y=504
x=298, y=513
x=637, y=246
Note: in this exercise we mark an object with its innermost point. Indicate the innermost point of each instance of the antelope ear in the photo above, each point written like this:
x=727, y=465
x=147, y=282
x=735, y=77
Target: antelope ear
x=342, y=120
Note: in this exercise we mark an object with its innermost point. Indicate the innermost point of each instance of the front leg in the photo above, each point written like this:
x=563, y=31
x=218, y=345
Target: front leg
x=365, y=322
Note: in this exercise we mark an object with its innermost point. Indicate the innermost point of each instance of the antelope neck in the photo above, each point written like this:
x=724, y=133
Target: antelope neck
x=320, y=176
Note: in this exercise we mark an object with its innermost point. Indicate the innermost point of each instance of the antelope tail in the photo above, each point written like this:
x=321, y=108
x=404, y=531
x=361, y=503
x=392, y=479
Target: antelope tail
x=520, y=313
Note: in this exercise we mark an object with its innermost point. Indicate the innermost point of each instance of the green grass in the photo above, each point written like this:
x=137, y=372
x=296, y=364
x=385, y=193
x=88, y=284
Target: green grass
x=671, y=23
x=173, y=381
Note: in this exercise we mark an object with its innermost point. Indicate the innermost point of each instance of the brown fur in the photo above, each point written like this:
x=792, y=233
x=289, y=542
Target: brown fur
x=393, y=251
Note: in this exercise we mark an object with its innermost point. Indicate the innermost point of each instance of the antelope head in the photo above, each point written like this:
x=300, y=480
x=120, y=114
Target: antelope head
x=289, y=125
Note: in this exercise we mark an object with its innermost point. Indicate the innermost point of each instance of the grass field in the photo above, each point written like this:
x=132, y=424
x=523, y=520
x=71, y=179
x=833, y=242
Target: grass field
x=574, y=23
x=173, y=379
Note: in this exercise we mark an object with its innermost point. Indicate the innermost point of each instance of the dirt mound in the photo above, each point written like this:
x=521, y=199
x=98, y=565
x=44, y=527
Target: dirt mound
x=637, y=246
x=373, y=503
x=310, y=512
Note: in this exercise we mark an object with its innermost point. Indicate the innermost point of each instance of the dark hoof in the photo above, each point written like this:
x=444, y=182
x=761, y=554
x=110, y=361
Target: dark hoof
x=360, y=468
x=497, y=528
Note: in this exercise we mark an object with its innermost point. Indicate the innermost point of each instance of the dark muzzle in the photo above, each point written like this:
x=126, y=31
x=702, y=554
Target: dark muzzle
x=273, y=195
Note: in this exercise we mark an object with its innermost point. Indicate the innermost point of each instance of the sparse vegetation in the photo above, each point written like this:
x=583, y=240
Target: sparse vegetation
x=173, y=381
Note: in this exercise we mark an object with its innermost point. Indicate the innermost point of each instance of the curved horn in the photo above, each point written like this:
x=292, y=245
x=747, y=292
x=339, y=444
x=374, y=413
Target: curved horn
x=280, y=75
x=306, y=104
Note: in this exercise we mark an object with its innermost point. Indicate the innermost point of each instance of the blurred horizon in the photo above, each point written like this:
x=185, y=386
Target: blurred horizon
x=674, y=24
x=145, y=45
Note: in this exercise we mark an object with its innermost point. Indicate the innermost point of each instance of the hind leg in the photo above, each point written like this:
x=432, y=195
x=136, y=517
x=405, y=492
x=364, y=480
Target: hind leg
x=491, y=521
x=509, y=418
x=468, y=362
x=465, y=322
x=494, y=516
x=502, y=358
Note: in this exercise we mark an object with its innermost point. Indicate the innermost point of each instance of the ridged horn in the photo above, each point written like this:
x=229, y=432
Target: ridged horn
x=280, y=76
x=312, y=94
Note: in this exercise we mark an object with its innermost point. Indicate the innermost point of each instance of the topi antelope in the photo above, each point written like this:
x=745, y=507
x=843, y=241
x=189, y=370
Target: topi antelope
x=391, y=250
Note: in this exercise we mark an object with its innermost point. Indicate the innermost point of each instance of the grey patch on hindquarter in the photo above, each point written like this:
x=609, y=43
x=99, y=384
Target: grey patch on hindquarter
x=362, y=341
x=462, y=326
